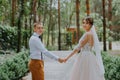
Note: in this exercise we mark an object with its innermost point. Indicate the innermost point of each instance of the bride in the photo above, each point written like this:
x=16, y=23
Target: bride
x=88, y=64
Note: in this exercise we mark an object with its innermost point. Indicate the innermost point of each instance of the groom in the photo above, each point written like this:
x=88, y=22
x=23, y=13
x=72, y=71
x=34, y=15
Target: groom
x=37, y=49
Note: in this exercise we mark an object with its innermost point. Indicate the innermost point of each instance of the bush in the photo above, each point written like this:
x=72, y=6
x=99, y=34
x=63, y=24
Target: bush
x=112, y=66
x=15, y=67
x=8, y=37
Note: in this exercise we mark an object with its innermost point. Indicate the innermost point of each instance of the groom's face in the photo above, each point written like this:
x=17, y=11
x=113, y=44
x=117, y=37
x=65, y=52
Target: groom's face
x=38, y=29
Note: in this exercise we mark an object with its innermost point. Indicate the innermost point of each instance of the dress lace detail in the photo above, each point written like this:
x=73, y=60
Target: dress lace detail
x=86, y=66
x=86, y=47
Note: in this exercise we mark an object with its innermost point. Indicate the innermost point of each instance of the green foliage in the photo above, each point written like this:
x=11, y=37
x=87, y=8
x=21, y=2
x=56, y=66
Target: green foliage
x=69, y=38
x=112, y=66
x=51, y=48
x=5, y=11
x=116, y=7
x=15, y=67
x=48, y=13
x=25, y=33
x=8, y=37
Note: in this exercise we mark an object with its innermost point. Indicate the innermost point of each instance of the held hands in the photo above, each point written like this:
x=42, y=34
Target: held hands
x=65, y=59
x=62, y=60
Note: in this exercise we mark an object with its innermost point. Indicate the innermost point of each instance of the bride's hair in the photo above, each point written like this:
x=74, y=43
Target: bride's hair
x=89, y=20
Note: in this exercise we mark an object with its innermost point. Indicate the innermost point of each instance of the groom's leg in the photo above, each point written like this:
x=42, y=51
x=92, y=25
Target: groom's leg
x=37, y=69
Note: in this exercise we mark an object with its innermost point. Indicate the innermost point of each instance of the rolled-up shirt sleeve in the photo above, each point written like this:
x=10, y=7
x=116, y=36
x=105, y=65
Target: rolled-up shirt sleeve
x=42, y=48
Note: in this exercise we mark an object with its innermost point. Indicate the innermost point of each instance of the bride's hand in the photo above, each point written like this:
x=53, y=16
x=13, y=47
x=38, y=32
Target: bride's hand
x=65, y=59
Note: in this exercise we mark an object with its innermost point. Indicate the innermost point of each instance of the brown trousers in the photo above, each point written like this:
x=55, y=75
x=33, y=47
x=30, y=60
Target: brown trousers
x=36, y=68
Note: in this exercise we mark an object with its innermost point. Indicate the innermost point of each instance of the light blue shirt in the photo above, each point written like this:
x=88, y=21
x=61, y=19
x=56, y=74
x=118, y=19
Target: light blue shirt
x=36, y=47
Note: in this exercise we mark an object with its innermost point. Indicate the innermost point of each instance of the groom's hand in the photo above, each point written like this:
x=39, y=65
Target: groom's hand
x=61, y=60
x=65, y=59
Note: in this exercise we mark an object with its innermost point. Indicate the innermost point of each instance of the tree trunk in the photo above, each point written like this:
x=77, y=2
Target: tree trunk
x=44, y=18
x=13, y=12
x=31, y=17
x=26, y=35
x=39, y=15
x=34, y=9
x=30, y=25
x=49, y=25
x=70, y=19
x=88, y=7
x=110, y=19
x=19, y=25
x=59, y=36
x=53, y=34
x=104, y=27
x=77, y=19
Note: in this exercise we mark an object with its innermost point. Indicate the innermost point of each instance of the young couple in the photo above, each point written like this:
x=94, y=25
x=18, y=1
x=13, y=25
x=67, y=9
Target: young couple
x=87, y=66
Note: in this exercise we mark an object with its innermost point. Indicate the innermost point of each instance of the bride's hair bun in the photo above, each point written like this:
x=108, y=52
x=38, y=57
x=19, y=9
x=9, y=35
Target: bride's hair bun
x=89, y=20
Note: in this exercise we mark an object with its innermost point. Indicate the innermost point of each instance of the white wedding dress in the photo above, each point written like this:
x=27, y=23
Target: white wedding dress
x=86, y=66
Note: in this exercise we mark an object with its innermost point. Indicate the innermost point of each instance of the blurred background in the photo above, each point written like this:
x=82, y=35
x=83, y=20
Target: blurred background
x=62, y=21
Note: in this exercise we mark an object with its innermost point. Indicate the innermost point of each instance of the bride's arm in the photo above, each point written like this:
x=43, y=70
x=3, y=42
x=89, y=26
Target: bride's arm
x=72, y=53
x=81, y=44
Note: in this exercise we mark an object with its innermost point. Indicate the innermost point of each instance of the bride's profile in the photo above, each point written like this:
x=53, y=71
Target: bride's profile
x=88, y=64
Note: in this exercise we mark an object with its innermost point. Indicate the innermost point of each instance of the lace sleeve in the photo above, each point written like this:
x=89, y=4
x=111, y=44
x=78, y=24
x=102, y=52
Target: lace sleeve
x=83, y=40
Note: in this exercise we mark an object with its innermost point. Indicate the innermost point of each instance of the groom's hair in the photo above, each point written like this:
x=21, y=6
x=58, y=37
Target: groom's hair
x=89, y=20
x=37, y=23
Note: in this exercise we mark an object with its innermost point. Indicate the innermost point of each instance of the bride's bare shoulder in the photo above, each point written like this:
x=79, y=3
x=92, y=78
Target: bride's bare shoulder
x=89, y=34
